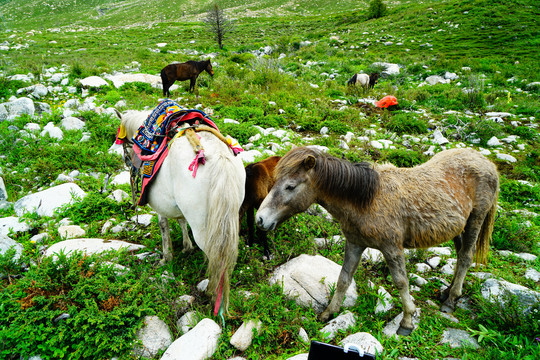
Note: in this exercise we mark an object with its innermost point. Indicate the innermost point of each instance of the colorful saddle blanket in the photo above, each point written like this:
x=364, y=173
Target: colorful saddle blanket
x=151, y=140
x=152, y=134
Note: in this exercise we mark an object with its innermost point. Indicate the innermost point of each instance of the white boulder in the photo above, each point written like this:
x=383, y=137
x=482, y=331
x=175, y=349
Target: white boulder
x=307, y=279
x=44, y=203
x=198, y=344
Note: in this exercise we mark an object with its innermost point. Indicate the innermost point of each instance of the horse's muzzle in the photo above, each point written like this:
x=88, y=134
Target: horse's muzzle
x=264, y=226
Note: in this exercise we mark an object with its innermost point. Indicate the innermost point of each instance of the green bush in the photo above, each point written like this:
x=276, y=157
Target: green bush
x=403, y=158
x=484, y=130
x=242, y=58
x=376, y=9
x=406, y=123
x=512, y=233
x=112, y=97
x=517, y=194
x=336, y=126
x=241, y=132
x=9, y=87
x=104, y=310
x=243, y=113
x=93, y=207
x=523, y=132
x=138, y=87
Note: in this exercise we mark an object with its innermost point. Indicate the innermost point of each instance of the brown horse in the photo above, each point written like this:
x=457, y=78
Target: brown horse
x=259, y=181
x=189, y=70
x=452, y=196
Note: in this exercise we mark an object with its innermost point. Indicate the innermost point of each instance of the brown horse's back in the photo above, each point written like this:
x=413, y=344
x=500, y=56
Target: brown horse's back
x=259, y=181
x=431, y=203
x=180, y=72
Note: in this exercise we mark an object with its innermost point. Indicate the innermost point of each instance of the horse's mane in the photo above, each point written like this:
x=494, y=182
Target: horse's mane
x=198, y=64
x=352, y=182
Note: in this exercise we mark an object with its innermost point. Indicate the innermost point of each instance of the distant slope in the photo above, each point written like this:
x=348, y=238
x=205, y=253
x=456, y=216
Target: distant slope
x=36, y=14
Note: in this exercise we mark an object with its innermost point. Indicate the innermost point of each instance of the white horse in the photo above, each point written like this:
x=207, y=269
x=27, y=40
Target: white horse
x=209, y=202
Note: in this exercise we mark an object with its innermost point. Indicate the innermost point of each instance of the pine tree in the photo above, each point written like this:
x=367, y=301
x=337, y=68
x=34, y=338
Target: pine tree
x=218, y=24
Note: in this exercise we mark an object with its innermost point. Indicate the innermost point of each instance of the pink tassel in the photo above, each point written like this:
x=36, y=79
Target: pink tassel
x=236, y=150
x=199, y=158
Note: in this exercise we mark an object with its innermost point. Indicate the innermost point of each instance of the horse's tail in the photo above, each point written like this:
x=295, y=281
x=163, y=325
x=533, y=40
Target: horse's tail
x=484, y=238
x=223, y=229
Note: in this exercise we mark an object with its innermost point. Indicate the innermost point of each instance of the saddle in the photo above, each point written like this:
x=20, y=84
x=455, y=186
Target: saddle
x=152, y=141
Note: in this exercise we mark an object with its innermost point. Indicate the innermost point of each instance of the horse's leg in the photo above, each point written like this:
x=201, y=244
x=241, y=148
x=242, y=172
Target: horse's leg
x=396, y=263
x=464, y=260
x=457, y=243
x=166, y=84
x=165, y=238
x=192, y=83
x=251, y=225
x=263, y=240
x=185, y=236
x=353, y=252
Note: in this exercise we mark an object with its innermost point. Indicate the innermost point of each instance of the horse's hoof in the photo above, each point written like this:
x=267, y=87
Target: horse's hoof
x=445, y=294
x=324, y=317
x=446, y=309
x=404, y=331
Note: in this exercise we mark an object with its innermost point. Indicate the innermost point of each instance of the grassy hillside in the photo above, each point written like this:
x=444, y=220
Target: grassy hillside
x=299, y=86
x=28, y=14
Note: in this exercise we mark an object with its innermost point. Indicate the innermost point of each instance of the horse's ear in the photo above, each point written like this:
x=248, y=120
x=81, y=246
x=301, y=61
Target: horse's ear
x=309, y=162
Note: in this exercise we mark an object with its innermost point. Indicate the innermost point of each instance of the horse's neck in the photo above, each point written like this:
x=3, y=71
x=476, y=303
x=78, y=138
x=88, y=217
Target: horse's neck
x=200, y=66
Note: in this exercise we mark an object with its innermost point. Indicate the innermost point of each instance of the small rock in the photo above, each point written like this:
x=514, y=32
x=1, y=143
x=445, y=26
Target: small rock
x=422, y=267
x=154, y=336
x=506, y=157
x=364, y=341
x=71, y=231
x=303, y=335
x=243, y=337
x=342, y=322
x=434, y=262
x=187, y=321
x=392, y=327
x=456, y=338
x=203, y=285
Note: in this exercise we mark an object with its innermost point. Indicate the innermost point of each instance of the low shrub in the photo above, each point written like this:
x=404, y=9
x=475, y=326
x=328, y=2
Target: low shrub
x=511, y=232
x=336, y=126
x=9, y=87
x=403, y=157
x=138, y=87
x=241, y=132
x=405, y=123
x=93, y=207
x=484, y=130
x=517, y=194
x=242, y=58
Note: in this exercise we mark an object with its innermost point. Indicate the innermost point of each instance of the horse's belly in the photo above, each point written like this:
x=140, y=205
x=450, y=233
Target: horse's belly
x=433, y=230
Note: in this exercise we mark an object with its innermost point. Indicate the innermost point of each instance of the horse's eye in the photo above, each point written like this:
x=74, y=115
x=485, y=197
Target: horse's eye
x=290, y=187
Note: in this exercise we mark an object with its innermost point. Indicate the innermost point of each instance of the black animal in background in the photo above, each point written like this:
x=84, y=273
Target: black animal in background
x=364, y=80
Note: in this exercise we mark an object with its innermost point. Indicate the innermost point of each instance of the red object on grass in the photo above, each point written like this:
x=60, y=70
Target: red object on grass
x=386, y=101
